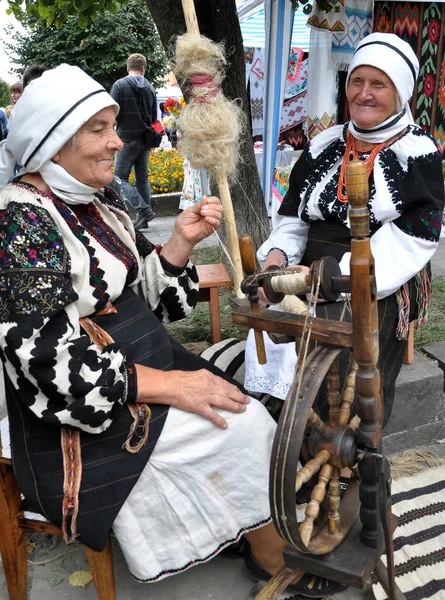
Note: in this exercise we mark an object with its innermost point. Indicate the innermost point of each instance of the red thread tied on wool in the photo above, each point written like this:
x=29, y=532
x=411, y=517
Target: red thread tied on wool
x=203, y=81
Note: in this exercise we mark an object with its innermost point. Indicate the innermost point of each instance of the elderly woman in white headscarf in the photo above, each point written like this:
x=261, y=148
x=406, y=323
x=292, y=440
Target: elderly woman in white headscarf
x=406, y=198
x=112, y=423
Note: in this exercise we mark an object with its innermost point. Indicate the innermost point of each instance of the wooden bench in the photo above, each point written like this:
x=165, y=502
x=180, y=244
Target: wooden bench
x=211, y=278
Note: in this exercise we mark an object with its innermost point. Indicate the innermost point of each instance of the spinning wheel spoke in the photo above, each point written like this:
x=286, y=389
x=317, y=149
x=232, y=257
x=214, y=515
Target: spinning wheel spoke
x=310, y=468
x=334, y=502
x=313, y=508
x=348, y=394
x=333, y=384
x=320, y=427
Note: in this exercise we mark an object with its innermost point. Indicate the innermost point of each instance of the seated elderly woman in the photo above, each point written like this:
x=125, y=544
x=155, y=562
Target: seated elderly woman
x=406, y=198
x=112, y=423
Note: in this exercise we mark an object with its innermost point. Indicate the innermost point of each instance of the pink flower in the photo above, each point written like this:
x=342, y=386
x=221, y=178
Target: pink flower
x=433, y=30
x=428, y=85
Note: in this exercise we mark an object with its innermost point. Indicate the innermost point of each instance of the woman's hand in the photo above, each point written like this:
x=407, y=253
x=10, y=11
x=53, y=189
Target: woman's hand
x=201, y=391
x=193, y=225
x=199, y=220
x=193, y=391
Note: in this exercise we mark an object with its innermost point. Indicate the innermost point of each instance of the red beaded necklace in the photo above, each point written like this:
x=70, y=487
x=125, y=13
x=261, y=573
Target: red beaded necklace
x=351, y=148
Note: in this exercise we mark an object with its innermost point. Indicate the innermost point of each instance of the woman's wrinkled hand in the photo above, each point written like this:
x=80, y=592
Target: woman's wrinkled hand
x=201, y=392
x=199, y=220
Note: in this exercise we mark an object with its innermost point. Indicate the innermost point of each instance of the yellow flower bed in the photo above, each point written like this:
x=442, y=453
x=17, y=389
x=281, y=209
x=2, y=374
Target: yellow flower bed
x=165, y=171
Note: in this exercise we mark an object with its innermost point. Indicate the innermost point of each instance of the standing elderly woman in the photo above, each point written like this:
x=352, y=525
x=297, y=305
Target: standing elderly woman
x=406, y=198
x=113, y=424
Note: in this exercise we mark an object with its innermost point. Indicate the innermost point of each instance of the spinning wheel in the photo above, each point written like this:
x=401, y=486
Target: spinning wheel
x=331, y=445
x=332, y=542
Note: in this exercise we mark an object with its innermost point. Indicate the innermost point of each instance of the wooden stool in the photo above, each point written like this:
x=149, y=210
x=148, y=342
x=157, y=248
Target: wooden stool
x=211, y=278
x=14, y=541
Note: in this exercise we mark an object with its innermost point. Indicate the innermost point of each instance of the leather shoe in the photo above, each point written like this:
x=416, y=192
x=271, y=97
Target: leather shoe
x=142, y=222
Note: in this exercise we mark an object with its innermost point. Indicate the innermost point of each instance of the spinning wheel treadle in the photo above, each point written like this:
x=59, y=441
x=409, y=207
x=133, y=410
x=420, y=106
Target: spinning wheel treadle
x=315, y=544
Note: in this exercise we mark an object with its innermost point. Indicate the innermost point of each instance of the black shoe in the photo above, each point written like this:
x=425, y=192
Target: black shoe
x=141, y=223
x=309, y=586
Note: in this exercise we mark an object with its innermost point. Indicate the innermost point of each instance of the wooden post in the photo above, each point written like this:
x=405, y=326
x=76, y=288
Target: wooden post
x=101, y=565
x=13, y=540
x=247, y=251
x=365, y=346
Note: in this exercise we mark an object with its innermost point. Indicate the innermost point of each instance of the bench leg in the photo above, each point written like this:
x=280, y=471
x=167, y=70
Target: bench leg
x=13, y=540
x=102, y=570
x=408, y=357
x=215, y=317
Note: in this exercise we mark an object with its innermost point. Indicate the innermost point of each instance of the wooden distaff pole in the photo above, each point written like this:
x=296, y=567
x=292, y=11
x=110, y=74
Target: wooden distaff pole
x=191, y=21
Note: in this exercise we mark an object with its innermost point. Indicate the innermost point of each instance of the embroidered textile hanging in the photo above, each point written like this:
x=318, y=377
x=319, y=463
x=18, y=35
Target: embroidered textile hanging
x=334, y=20
x=322, y=107
x=294, y=111
x=358, y=24
x=422, y=25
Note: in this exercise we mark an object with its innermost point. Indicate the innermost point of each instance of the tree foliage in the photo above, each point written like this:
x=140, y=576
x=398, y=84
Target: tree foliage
x=100, y=47
x=218, y=20
x=5, y=98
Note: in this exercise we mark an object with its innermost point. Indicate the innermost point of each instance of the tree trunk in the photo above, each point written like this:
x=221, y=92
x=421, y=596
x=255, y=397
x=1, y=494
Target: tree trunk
x=218, y=20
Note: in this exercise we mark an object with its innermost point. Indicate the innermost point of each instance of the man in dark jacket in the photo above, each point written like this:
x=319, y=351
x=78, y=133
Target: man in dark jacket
x=137, y=100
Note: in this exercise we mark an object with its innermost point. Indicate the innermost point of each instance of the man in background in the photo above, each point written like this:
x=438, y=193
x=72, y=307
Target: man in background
x=137, y=100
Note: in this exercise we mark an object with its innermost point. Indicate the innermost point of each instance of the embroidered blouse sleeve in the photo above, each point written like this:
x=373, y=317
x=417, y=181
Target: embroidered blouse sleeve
x=290, y=231
x=402, y=246
x=171, y=292
x=59, y=373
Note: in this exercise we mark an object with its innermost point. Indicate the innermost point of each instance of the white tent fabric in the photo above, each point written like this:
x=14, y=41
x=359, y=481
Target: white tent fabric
x=253, y=28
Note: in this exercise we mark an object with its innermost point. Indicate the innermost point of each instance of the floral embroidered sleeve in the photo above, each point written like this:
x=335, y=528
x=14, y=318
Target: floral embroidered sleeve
x=171, y=292
x=402, y=246
x=60, y=375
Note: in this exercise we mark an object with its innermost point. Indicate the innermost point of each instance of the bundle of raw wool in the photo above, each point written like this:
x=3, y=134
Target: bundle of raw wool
x=210, y=124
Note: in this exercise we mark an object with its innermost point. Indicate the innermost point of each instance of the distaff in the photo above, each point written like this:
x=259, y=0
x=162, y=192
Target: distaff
x=209, y=123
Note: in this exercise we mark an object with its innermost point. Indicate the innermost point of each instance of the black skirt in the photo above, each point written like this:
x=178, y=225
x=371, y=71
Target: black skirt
x=109, y=471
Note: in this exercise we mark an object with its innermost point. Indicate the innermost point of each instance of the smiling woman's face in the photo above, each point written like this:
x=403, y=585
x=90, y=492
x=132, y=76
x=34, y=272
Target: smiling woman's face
x=372, y=96
x=89, y=157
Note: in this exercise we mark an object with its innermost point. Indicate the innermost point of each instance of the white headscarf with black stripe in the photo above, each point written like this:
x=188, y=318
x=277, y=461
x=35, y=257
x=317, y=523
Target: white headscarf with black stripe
x=395, y=57
x=48, y=114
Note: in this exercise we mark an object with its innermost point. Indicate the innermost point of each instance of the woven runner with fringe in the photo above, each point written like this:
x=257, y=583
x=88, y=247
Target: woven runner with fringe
x=70, y=438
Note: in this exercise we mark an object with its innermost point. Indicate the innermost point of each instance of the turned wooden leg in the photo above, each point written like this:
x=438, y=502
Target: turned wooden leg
x=13, y=540
x=101, y=565
x=215, y=317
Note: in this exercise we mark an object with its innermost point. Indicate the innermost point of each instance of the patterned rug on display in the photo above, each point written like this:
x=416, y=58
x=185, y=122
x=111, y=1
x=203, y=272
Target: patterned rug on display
x=419, y=540
x=422, y=25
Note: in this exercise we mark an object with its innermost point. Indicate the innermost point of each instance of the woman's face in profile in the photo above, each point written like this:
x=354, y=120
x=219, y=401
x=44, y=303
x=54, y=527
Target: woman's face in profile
x=372, y=97
x=15, y=95
x=89, y=156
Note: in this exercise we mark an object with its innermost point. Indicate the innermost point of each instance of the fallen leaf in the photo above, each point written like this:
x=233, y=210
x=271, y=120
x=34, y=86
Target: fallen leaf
x=80, y=578
x=55, y=580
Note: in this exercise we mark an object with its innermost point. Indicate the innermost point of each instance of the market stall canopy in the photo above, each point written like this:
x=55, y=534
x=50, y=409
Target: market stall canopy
x=251, y=15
